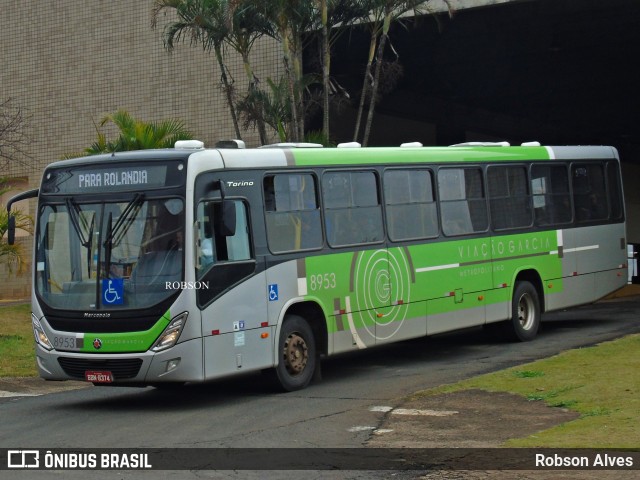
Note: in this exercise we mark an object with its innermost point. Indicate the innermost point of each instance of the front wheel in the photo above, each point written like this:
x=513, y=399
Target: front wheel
x=297, y=358
x=525, y=312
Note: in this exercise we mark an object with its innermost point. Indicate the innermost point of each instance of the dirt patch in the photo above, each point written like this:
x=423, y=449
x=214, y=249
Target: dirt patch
x=476, y=419
x=470, y=418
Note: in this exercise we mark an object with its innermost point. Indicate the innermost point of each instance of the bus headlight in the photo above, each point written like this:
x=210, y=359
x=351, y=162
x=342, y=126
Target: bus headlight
x=38, y=333
x=171, y=334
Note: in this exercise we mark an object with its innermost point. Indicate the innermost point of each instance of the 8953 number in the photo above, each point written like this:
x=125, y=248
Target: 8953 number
x=64, y=343
x=322, y=281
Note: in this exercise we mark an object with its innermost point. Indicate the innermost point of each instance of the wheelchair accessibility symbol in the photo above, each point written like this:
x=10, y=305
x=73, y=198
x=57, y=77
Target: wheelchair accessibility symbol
x=273, y=292
x=113, y=291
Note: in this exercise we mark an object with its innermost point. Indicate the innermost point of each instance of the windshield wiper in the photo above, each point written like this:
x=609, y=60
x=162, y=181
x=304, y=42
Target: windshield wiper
x=121, y=227
x=74, y=215
x=108, y=245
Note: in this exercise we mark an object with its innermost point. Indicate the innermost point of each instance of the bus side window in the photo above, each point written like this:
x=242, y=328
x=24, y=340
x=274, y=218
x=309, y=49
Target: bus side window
x=589, y=192
x=551, y=198
x=353, y=213
x=509, y=197
x=215, y=247
x=462, y=203
x=410, y=204
x=292, y=212
x=615, y=190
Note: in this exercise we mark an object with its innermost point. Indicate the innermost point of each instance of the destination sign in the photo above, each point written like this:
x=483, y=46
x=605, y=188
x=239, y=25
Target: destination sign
x=113, y=179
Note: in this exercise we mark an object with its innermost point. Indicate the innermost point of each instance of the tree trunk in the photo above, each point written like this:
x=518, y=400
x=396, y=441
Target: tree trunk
x=292, y=88
x=376, y=77
x=326, y=66
x=228, y=91
x=297, y=68
x=262, y=130
x=365, y=84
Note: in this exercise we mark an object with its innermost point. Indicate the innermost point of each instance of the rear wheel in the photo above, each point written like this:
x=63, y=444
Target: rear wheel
x=297, y=357
x=525, y=312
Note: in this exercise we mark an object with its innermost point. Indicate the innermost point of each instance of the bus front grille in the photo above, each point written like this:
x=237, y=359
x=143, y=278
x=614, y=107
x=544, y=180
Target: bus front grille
x=120, y=368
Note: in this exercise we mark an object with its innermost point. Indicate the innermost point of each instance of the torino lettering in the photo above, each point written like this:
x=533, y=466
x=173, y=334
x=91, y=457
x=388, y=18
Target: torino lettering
x=186, y=285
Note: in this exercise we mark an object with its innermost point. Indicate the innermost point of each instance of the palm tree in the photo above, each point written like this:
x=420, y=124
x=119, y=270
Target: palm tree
x=291, y=19
x=335, y=16
x=12, y=255
x=205, y=22
x=136, y=135
x=382, y=14
x=246, y=25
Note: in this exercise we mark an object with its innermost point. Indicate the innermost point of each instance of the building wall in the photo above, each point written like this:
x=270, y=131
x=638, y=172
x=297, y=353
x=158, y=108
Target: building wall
x=69, y=63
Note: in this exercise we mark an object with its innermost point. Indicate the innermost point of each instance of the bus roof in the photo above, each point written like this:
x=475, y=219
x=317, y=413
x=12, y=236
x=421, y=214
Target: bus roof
x=278, y=156
x=310, y=157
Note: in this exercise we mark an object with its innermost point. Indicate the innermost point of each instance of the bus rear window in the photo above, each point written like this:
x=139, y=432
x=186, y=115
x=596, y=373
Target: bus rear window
x=589, y=192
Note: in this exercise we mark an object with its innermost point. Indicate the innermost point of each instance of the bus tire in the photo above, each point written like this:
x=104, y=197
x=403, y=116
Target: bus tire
x=525, y=312
x=296, y=351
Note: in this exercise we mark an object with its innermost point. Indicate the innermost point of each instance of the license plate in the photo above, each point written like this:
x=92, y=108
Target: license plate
x=98, y=377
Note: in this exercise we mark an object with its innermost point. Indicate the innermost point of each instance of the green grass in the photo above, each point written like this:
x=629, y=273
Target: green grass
x=602, y=383
x=17, y=352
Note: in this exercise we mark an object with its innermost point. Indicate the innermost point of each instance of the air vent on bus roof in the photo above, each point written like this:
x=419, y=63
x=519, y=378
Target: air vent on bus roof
x=411, y=144
x=230, y=144
x=189, y=145
x=530, y=144
x=349, y=145
x=293, y=145
x=482, y=144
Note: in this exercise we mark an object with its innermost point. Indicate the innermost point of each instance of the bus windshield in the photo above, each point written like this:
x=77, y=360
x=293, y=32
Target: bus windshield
x=109, y=255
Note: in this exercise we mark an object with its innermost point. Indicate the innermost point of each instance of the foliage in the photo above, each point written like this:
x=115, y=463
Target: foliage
x=136, y=134
x=286, y=103
x=204, y=22
x=12, y=255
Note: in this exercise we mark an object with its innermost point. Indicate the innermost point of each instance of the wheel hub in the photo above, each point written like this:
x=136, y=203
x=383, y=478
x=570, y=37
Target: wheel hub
x=526, y=314
x=296, y=354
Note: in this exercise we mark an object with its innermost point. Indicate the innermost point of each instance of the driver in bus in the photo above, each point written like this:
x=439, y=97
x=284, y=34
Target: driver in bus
x=162, y=260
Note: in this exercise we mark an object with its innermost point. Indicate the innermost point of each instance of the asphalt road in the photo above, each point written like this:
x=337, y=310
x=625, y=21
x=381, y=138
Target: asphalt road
x=245, y=412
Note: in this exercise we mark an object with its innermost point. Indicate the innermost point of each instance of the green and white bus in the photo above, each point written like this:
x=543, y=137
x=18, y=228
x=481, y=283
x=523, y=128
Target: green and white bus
x=188, y=264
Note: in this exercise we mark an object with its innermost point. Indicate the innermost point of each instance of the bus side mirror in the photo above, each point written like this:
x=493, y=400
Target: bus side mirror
x=11, y=221
x=224, y=217
x=11, y=230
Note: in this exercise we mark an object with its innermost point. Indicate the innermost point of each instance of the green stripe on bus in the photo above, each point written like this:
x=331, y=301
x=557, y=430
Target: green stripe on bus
x=390, y=156
x=384, y=285
x=125, y=342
